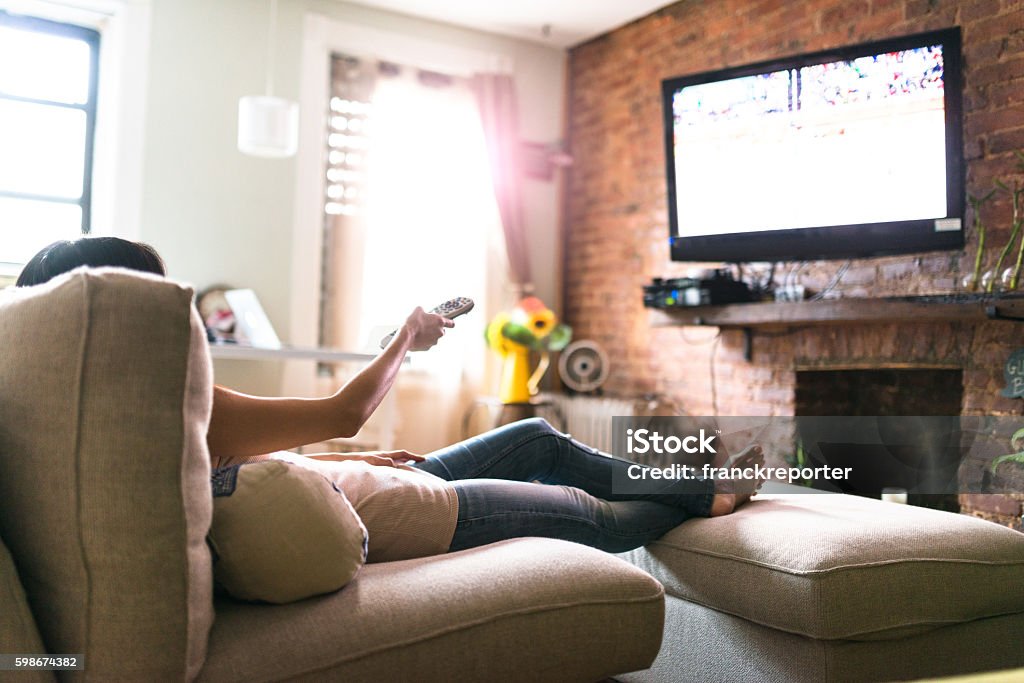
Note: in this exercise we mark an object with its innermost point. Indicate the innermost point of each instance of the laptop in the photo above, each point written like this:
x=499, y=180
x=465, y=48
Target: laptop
x=252, y=326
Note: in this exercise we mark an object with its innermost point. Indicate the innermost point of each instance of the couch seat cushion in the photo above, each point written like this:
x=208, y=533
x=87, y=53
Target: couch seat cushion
x=836, y=566
x=526, y=609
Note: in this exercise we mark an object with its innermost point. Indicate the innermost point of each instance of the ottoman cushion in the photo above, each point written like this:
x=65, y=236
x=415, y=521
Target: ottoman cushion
x=842, y=567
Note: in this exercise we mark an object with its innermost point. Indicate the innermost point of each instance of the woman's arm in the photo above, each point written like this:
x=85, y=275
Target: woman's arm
x=382, y=458
x=242, y=426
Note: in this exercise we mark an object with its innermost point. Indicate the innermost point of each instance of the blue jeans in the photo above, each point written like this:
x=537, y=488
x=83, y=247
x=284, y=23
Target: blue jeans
x=574, y=502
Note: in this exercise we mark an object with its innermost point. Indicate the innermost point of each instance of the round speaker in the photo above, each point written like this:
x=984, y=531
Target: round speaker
x=583, y=366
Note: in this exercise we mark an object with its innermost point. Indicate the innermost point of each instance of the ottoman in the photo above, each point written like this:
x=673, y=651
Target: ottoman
x=805, y=587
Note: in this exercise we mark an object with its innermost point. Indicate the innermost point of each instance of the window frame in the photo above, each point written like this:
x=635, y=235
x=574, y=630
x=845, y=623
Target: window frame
x=92, y=38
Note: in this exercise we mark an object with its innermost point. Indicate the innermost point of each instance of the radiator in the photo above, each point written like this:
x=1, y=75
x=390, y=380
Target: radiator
x=587, y=418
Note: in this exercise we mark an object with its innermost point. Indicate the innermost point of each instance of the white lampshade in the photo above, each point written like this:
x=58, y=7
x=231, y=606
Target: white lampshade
x=268, y=126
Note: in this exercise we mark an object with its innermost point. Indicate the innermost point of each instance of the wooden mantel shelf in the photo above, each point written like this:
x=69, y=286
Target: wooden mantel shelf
x=968, y=309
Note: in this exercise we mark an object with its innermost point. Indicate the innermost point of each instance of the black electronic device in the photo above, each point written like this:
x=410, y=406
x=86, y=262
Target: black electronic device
x=712, y=288
x=851, y=152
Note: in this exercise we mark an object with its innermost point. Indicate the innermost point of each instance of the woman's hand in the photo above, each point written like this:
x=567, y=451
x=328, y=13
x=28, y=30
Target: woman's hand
x=377, y=458
x=424, y=329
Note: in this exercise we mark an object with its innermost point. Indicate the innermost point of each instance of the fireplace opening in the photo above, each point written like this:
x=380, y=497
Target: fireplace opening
x=905, y=445
x=917, y=391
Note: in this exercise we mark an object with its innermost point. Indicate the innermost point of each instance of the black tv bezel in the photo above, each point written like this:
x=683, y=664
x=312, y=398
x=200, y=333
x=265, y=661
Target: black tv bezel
x=835, y=241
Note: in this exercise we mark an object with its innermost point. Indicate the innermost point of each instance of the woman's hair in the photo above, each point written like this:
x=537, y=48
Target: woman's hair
x=60, y=257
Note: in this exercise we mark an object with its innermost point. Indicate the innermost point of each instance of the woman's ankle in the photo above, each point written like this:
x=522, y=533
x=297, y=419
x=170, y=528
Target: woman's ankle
x=722, y=504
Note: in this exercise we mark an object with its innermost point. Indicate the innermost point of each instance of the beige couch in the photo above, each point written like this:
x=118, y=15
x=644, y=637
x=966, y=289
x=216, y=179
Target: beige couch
x=105, y=502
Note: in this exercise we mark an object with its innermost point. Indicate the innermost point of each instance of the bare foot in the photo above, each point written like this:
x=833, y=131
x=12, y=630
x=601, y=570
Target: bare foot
x=731, y=493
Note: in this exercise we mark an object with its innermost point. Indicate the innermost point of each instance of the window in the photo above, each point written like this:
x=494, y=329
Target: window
x=408, y=197
x=48, y=82
x=410, y=218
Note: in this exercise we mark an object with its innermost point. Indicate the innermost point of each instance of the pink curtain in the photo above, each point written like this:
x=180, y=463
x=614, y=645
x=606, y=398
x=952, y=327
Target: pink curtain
x=496, y=98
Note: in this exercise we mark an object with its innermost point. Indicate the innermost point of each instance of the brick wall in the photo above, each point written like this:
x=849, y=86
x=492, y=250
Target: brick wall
x=617, y=227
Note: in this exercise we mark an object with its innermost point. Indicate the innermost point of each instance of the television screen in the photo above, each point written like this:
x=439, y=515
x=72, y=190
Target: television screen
x=847, y=153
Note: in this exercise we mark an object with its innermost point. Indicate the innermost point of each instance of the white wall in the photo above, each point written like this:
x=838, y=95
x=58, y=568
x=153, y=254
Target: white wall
x=219, y=216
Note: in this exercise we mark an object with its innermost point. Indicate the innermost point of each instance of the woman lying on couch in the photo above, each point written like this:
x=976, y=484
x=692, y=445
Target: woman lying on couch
x=469, y=494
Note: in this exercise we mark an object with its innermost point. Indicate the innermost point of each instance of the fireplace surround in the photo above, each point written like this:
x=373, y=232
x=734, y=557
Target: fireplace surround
x=849, y=357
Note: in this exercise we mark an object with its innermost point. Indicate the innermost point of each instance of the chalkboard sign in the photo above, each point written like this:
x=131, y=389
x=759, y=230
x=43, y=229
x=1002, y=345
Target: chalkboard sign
x=1013, y=371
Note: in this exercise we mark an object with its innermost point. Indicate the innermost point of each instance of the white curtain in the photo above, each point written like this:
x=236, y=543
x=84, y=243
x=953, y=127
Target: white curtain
x=431, y=232
x=499, y=114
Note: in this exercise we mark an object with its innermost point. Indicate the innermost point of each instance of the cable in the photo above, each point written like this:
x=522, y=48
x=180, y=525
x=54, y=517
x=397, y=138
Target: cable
x=791, y=276
x=769, y=286
x=697, y=342
x=832, y=283
x=711, y=370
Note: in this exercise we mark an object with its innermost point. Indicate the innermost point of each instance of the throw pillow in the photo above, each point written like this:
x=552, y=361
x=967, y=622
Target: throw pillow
x=282, y=533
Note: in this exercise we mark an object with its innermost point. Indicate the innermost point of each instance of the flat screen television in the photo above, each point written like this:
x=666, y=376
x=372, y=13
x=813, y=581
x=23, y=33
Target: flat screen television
x=845, y=153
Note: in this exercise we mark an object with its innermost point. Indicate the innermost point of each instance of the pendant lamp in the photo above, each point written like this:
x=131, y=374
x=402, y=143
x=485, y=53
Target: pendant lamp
x=268, y=126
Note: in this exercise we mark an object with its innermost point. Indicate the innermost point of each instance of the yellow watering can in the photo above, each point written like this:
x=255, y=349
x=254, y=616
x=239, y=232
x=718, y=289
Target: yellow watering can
x=530, y=326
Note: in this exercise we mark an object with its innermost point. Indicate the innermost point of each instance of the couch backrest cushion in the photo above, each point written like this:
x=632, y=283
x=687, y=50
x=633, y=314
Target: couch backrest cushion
x=18, y=632
x=105, y=398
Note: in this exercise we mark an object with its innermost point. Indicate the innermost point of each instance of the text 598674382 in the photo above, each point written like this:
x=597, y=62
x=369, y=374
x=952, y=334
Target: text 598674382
x=41, y=662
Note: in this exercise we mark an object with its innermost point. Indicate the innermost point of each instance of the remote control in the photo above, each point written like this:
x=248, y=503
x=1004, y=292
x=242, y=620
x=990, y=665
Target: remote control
x=450, y=309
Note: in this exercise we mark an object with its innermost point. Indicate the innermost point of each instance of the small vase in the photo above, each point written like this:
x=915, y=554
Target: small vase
x=988, y=280
x=1006, y=283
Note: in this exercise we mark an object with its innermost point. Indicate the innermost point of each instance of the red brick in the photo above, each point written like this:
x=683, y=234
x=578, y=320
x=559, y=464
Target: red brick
x=982, y=52
x=1003, y=24
x=995, y=503
x=1005, y=141
x=1007, y=118
x=995, y=72
x=985, y=170
x=923, y=10
x=978, y=9
x=843, y=14
x=1009, y=93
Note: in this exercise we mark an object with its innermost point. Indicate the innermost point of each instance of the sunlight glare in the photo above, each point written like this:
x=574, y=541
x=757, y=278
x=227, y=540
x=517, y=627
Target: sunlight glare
x=43, y=149
x=429, y=204
x=28, y=226
x=44, y=67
